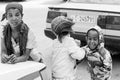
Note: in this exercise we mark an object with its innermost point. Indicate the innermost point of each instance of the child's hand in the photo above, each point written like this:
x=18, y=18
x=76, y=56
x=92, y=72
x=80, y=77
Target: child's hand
x=13, y=59
x=78, y=42
x=98, y=63
x=93, y=58
x=102, y=51
x=4, y=58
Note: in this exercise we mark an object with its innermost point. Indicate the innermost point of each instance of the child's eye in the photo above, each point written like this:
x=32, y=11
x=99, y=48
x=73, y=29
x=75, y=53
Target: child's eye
x=95, y=39
x=17, y=14
x=10, y=15
x=89, y=38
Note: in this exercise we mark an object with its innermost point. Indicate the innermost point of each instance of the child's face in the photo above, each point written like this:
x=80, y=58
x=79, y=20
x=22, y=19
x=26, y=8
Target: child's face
x=92, y=39
x=14, y=17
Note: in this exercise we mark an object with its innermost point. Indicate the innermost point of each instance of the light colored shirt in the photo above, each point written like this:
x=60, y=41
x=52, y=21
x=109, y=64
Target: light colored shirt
x=64, y=57
x=31, y=44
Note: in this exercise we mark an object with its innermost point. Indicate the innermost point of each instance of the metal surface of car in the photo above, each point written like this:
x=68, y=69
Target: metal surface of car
x=11, y=0
x=86, y=16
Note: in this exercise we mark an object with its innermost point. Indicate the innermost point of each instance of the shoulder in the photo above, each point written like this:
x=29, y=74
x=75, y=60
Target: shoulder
x=2, y=30
x=31, y=42
x=105, y=53
x=70, y=42
x=31, y=36
x=70, y=39
x=24, y=26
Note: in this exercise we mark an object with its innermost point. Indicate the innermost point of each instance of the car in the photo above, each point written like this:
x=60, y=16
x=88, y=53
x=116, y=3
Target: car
x=10, y=0
x=87, y=15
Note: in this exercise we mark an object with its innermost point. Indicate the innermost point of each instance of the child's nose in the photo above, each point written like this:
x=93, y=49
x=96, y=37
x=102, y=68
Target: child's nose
x=92, y=40
x=14, y=18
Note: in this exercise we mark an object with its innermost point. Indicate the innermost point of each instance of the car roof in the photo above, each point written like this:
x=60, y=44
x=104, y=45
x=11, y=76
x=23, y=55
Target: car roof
x=89, y=6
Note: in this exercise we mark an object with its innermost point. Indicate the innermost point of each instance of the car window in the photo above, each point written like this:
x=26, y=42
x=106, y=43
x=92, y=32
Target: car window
x=53, y=14
x=109, y=22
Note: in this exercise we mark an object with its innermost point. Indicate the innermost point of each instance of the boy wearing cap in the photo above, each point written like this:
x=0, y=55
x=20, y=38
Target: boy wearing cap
x=65, y=50
x=17, y=41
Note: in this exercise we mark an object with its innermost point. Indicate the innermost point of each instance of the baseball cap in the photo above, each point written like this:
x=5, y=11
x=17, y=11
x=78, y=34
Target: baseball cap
x=62, y=24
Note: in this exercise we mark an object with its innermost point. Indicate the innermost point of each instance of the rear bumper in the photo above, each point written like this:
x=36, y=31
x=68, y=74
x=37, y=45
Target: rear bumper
x=111, y=42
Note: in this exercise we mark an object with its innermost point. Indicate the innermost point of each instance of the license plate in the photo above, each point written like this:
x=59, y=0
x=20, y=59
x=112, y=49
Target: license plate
x=83, y=18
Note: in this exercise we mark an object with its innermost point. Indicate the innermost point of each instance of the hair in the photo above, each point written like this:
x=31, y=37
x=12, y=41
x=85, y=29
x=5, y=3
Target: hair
x=63, y=31
x=92, y=29
x=60, y=36
x=15, y=8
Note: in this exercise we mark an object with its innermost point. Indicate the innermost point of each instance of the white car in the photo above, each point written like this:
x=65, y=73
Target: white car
x=85, y=15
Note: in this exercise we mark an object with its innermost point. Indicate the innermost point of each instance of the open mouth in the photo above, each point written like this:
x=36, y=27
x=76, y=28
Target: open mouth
x=92, y=46
x=14, y=23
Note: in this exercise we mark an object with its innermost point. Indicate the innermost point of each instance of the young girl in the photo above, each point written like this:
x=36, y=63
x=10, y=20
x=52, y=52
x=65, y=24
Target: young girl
x=18, y=41
x=99, y=59
x=65, y=50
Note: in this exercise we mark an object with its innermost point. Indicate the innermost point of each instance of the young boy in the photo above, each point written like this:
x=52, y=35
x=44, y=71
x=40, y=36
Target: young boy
x=99, y=59
x=17, y=40
x=65, y=50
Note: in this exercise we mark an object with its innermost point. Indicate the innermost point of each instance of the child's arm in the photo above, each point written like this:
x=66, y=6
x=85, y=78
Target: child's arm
x=31, y=44
x=95, y=60
x=4, y=56
x=22, y=58
x=107, y=61
x=36, y=55
x=93, y=57
x=75, y=51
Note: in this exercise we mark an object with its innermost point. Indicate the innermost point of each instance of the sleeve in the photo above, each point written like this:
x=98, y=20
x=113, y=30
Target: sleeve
x=1, y=32
x=31, y=43
x=75, y=51
x=35, y=55
x=107, y=61
x=2, y=44
x=0, y=41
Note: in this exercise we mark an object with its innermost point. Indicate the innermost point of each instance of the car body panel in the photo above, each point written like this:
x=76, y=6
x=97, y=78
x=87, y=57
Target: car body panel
x=86, y=17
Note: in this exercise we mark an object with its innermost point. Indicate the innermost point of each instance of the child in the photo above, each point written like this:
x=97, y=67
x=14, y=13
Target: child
x=18, y=41
x=99, y=59
x=65, y=50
